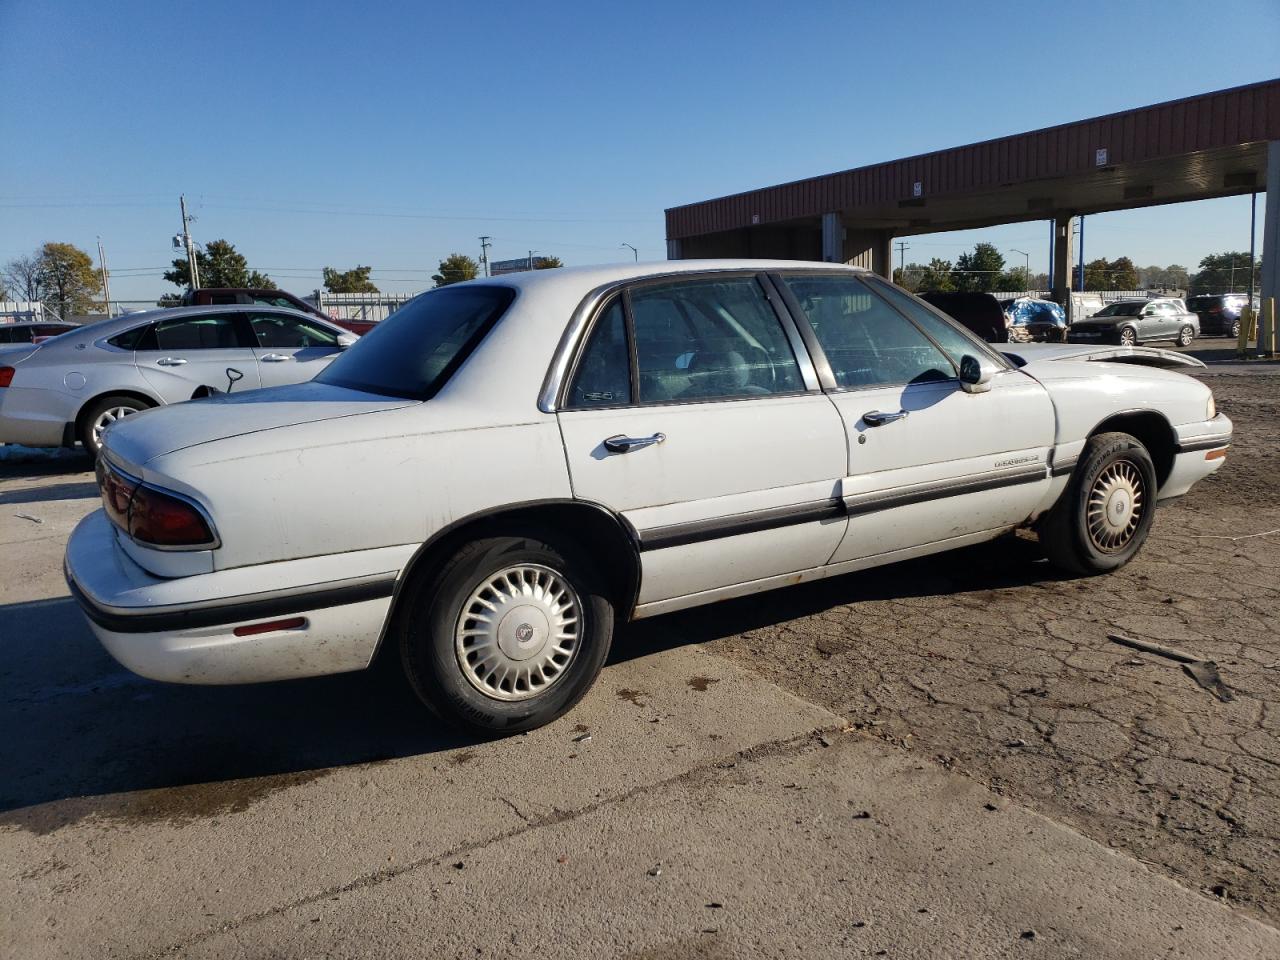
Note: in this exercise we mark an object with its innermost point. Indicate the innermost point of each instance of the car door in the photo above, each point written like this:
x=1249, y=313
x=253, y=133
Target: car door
x=928, y=462
x=178, y=355
x=693, y=411
x=290, y=348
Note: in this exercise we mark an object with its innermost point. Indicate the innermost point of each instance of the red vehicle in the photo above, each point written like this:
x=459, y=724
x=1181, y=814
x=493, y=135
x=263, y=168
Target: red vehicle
x=217, y=296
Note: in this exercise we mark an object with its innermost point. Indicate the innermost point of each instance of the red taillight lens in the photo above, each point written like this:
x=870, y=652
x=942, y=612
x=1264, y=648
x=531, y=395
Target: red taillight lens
x=6, y=376
x=117, y=492
x=166, y=521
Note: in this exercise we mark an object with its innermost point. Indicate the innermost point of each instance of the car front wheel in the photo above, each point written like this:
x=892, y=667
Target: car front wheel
x=1103, y=517
x=1128, y=337
x=1185, y=336
x=1235, y=329
x=507, y=635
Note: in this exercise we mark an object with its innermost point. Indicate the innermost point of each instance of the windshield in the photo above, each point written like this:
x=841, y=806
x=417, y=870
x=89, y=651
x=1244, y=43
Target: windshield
x=415, y=350
x=1131, y=309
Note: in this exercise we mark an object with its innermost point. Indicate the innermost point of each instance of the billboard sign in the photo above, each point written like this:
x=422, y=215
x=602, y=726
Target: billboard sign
x=499, y=267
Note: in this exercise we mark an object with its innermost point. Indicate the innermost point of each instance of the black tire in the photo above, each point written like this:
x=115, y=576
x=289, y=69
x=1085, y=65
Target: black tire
x=1128, y=336
x=1065, y=533
x=427, y=629
x=1234, y=332
x=87, y=425
x=1185, y=336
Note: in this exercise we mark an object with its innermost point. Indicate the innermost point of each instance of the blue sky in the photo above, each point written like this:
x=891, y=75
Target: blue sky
x=393, y=134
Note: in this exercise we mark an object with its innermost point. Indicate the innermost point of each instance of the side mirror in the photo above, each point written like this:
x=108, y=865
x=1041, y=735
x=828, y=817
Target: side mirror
x=974, y=377
x=346, y=339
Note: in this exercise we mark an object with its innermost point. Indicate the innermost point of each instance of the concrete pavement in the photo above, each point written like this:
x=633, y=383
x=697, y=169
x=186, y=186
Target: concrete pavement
x=688, y=808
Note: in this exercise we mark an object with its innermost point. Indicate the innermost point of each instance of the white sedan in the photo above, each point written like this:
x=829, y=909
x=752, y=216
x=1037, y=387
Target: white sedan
x=71, y=387
x=542, y=455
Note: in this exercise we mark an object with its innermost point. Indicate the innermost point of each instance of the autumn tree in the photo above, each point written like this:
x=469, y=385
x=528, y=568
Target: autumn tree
x=355, y=280
x=220, y=266
x=23, y=278
x=456, y=268
x=546, y=263
x=68, y=280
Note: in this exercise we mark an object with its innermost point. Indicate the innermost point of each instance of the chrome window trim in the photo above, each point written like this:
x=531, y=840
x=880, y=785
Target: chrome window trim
x=585, y=313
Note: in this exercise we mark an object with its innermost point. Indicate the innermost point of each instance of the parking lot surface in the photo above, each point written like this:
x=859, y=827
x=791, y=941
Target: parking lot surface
x=941, y=758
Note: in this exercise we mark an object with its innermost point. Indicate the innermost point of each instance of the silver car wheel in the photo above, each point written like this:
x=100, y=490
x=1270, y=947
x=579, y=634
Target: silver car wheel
x=1116, y=505
x=518, y=632
x=108, y=417
x=1128, y=337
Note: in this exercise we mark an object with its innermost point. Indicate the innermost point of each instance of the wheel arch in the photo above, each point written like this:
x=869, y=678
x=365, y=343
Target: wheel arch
x=1152, y=430
x=148, y=399
x=606, y=535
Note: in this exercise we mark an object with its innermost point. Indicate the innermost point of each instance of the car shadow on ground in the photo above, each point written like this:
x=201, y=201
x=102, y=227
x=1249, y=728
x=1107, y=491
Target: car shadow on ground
x=46, y=494
x=82, y=735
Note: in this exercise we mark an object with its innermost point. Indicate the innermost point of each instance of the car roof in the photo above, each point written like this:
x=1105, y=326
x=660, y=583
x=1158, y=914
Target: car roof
x=589, y=277
x=109, y=328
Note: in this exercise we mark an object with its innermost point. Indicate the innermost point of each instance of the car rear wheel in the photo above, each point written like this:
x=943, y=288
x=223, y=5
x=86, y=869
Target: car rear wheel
x=101, y=414
x=1128, y=336
x=507, y=635
x=1185, y=336
x=1103, y=517
x=1234, y=332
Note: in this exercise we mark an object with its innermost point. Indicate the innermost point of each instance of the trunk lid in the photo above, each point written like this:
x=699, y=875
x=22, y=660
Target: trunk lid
x=144, y=436
x=1027, y=353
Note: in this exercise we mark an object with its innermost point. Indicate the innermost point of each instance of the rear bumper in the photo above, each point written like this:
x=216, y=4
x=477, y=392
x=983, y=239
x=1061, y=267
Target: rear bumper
x=183, y=630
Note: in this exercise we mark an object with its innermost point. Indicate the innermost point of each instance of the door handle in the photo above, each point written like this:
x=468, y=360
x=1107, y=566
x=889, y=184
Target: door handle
x=170, y=362
x=876, y=418
x=275, y=358
x=621, y=444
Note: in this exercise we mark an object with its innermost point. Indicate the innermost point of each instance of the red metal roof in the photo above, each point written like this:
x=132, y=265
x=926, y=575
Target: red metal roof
x=1225, y=118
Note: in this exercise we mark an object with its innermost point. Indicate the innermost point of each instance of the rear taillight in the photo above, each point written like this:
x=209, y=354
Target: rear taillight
x=164, y=520
x=6, y=376
x=152, y=517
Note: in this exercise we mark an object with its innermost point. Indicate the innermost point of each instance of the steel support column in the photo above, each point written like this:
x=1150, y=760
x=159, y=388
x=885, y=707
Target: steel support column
x=832, y=238
x=1270, y=252
x=1060, y=281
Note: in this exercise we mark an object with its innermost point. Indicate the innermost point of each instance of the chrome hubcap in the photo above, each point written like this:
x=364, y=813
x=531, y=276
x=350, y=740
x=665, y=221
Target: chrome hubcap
x=1116, y=505
x=1128, y=337
x=108, y=417
x=518, y=632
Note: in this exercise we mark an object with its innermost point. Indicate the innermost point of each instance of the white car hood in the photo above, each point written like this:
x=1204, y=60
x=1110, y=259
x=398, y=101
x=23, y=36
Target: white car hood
x=1024, y=354
x=152, y=433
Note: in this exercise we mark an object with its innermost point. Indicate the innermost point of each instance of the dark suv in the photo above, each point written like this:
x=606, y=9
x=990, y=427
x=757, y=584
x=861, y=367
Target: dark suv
x=1219, y=313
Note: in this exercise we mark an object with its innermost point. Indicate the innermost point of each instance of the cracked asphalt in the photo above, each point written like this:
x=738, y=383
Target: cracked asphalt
x=941, y=758
x=989, y=663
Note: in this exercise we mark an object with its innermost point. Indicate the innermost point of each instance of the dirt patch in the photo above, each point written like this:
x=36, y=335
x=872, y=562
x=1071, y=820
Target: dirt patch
x=992, y=664
x=701, y=684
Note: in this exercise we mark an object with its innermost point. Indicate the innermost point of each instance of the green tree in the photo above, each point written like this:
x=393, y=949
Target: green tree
x=1225, y=273
x=1013, y=279
x=455, y=268
x=1103, y=274
x=355, y=280
x=546, y=263
x=980, y=269
x=220, y=266
x=68, y=279
x=917, y=277
x=1096, y=275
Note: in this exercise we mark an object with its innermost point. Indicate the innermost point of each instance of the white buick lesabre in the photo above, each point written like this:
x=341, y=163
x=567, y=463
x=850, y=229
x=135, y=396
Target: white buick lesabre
x=484, y=484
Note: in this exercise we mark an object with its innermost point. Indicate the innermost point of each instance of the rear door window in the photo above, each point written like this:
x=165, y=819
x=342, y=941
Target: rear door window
x=603, y=377
x=285, y=332
x=207, y=331
x=710, y=340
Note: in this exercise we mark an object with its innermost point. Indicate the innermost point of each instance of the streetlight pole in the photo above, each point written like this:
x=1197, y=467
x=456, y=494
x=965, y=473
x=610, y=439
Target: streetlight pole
x=106, y=278
x=634, y=251
x=1026, y=277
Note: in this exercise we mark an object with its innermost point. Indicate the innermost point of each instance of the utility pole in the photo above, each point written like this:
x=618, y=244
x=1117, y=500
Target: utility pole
x=903, y=247
x=1253, y=232
x=531, y=253
x=189, y=244
x=1082, y=253
x=484, y=253
x=634, y=251
x=106, y=281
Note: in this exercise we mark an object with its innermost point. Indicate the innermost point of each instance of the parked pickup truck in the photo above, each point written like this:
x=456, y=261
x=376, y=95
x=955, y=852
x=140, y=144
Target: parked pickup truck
x=1128, y=322
x=219, y=296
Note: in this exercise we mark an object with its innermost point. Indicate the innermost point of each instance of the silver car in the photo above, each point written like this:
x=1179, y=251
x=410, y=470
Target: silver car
x=72, y=387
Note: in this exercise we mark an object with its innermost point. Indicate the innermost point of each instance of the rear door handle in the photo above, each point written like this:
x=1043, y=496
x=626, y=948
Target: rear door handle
x=275, y=358
x=877, y=418
x=621, y=444
x=170, y=362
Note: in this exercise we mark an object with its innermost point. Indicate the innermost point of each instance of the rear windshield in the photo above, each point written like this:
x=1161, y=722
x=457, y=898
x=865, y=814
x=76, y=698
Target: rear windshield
x=1121, y=310
x=415, y=350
